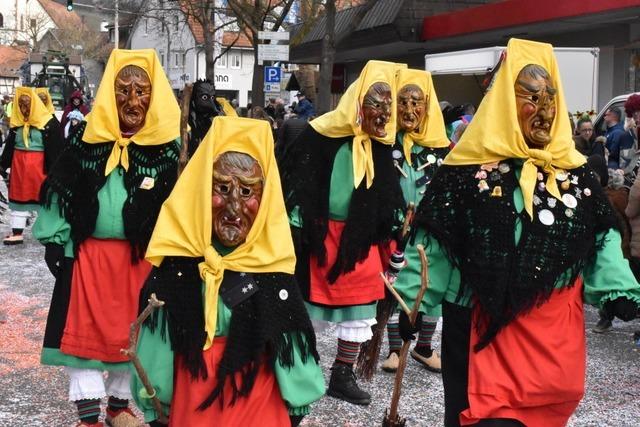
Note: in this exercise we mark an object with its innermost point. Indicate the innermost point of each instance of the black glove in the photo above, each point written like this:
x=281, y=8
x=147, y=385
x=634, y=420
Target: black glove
x=54, y=257
x=407, y=331
x=622, y=308
x=296, y=420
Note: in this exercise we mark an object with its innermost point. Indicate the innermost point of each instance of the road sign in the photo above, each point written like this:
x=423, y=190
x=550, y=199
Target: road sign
x=273, y=52
x=272, y=74
x=273, y=35
x=272, y=87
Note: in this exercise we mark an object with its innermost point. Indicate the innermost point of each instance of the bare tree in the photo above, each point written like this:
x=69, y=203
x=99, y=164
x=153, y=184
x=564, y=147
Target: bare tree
x=330, y=42
x=32, y=27
x=254, y=16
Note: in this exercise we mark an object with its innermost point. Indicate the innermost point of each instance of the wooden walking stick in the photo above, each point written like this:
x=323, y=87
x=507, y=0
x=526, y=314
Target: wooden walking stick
x=133, y=356
x=184, y=127
x=370, y=350
x=391, y=418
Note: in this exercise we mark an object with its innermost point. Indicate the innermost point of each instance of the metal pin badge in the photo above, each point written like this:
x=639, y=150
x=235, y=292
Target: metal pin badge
x=551, y=201
x=397, y=154
x=483, y=186
x=565, y=185
x=569, y=201
x=504, y=168
x=587, y=192
x=283, y=294
x=497, y=191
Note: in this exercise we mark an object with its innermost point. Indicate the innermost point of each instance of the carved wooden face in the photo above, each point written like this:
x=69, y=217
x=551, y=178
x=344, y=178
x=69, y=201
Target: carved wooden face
x=536, y=106
x=376, y=110
x=44, y=99
x=24, y=103
x=133, y=96
x=411, y=107
x=236, y=197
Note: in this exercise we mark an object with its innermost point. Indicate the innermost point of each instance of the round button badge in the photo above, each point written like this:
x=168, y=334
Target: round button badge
x=569, y=200
x=546, y=217
x=283, y=294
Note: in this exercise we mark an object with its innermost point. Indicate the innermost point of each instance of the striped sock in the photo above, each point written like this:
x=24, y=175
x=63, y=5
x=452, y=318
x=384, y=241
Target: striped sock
x=426, y=334
x=395, y=341
x=114, y=404
x=347, y=352
x=88, y=410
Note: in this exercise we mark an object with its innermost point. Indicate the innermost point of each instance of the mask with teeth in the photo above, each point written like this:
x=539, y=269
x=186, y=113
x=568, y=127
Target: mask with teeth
x=536, y=105
x=411, y=107
x=236, y=197
x=133, y=96
x=376, y=110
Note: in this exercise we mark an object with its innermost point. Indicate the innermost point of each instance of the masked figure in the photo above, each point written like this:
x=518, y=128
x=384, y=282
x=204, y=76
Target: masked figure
x=344, y=199
x=421, y=146
x=239, y=348
x=76, y=102
x=101, y=203
x=31, y=149
x=203, y=107
x=530, y=236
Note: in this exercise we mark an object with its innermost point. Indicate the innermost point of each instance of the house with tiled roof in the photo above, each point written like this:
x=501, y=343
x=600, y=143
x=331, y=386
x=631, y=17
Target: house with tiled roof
x=179, y=43
x=25, y=22
x=11, y=59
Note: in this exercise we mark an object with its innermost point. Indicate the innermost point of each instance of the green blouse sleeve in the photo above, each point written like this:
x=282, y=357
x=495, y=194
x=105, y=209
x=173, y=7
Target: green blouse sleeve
x=301, y=384
x=156, y=357
x=51, y=227
x=609, y=276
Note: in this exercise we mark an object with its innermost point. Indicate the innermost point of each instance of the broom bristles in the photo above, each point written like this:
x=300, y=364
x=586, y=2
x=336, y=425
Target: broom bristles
x=367, y=362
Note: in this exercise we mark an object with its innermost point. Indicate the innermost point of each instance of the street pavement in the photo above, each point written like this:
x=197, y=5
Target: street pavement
x=35, y=395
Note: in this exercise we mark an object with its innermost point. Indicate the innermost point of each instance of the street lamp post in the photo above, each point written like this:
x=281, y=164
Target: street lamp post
x=117, y=26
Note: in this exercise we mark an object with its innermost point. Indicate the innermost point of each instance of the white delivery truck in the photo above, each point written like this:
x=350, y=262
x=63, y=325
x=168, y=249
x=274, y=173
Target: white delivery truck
x=461, y=76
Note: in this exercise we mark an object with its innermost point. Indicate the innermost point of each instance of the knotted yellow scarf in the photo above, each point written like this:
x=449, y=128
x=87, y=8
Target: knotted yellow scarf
x=184, y=224
x=162, y=123
x=39, y=116
x=494, y=133
x=345, y=120
x=431, y=132
x=49, y=103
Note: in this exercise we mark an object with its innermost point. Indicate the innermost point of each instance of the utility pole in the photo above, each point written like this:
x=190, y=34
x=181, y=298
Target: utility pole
x=117, y=26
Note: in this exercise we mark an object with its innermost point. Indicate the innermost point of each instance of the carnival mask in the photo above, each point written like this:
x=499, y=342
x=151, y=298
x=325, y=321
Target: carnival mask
x=43, y=98
x=376, y=110
x=24, y=103
x=411, y=107
x=203, y=98
x=236, y=197
x=133, y=96
x=536, y=105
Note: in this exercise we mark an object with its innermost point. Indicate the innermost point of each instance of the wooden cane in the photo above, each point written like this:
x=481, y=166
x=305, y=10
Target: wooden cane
x=132, y=354
x=392, y=418
x=184, y=127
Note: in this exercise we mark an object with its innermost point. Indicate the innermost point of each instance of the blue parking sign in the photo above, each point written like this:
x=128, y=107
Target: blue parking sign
x=272, y=74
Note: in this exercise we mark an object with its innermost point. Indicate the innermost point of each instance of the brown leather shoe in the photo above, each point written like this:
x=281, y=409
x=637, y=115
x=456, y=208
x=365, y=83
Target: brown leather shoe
x=14, y=239
x=392, y=363
x=432, y=363
x=122, y=418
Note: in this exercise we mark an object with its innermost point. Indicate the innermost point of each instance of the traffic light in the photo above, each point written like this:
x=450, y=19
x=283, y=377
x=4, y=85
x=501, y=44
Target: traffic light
x=69, y=5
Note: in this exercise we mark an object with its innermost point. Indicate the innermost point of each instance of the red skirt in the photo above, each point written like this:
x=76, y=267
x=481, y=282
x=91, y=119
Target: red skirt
x=263, y=407
x=360, y=286
x=105, y=288
x=27, y=176
x=534, y=370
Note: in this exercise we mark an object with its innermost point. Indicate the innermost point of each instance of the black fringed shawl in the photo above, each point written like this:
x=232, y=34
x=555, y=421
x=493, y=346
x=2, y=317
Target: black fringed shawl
x=476, y=230
x=372, y=212
x=264, y=325
x=51, y=138
x=78, y=175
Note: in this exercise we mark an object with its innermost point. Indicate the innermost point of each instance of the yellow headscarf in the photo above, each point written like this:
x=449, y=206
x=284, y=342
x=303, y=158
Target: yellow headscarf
x=39, y=116
x=431, y=132
x=494, y=133
x=162, y=123
x=49, y=103
x=345, y=120
x=227, y=108
x=184, y=224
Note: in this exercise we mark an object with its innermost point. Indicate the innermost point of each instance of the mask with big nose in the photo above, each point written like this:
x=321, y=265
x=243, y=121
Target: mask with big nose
x=133, y=96
x=411, y=107
x=536, y=105
x=236, y=197
x=376, y=110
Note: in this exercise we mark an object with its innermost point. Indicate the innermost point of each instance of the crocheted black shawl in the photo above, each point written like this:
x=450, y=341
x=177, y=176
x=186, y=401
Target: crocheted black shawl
x=51, y=138
x=476, y=230
x=78, y=175
x=372, y=212
x=263, y=325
